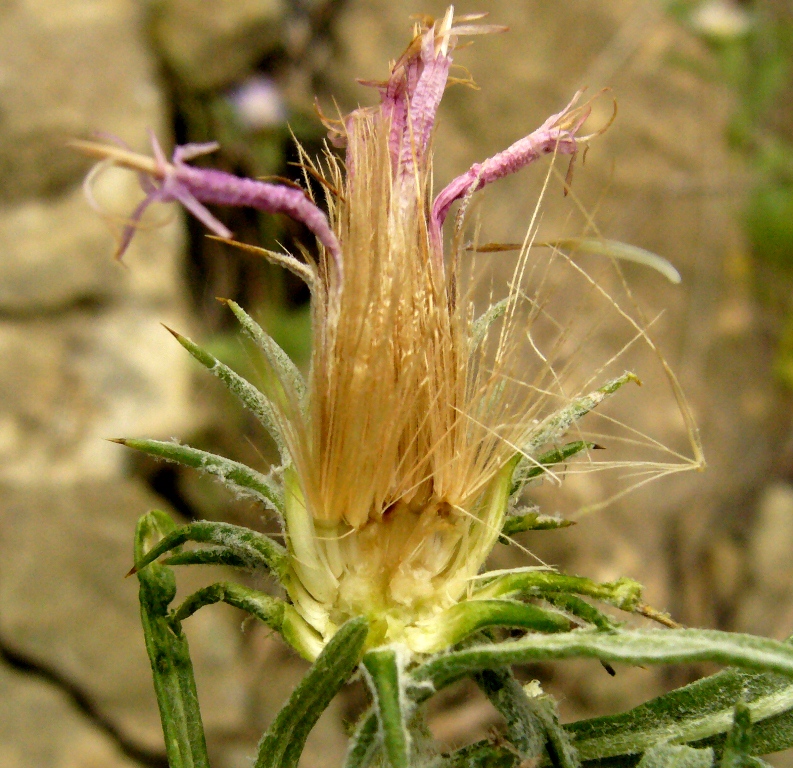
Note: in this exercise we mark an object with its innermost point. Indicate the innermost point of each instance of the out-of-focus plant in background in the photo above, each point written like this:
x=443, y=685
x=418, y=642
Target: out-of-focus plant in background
x=751, y=46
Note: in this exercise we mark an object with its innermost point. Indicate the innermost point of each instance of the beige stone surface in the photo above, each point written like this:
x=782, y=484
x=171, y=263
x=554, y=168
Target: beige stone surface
x=64, y=603
x=40, y=727
x=67, y=69
x=89, y=376
x=767, y=579
x=57, y=252
x=78, y=330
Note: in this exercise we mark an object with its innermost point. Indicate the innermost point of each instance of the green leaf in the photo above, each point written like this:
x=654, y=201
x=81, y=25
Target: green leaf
x=385, y=677
x=624, y=593
x=254, y=400
x=463, y=619
x=235, y=476
x=483, y=754
x=533, y=521
x=489, y=754
x=555, y=425
x=561, y=749
x=275, y=613
x=686, y=715
x=738, y=745
x=363, y=745
x=676, y=756
x=652, y=646
x=549, y=459
x=208, y=556
x=525, y=731
x=268, y=609
x=700, y=713
x=283, y=743
x=582, y=610
x=254, y=549
x=169, y=654
x=481, y=325
x=286, y=371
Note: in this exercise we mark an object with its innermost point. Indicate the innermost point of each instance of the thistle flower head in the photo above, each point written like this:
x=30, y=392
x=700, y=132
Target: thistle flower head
x=403, y=448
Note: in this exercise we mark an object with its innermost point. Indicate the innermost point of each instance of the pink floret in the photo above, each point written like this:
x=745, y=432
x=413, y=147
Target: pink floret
x=556, y=135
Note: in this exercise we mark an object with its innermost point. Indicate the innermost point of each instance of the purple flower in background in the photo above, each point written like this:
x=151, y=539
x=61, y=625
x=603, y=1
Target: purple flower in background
x=257, y=103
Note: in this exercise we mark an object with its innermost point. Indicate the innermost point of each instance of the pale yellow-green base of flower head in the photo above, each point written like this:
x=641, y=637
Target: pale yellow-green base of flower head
x=402, y=571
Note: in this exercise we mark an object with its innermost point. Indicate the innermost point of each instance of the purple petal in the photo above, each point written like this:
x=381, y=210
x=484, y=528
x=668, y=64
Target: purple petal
x=423, y=109
x=182, y=195
x=219, y=188
x=410, y=99
x=556, y=134
x=156, y=149
x=190, y=151
x=132, y=224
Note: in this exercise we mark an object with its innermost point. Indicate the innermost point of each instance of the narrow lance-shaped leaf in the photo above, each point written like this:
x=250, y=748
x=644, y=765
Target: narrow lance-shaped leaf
x=531, y=521
x=264, y=607
x=558, y=750
x=669, y=646
x=283, y=743
x=274, y=612
x=561, y=749
x=236, y=476
x=481, y=325
x=550, y=459
x=738, y=745
x=581, y=609
x=174, y=684
x=524, y=730
x=286, y=371
x=254, y=400
x=363, y=745
x=461, y=620
x=555, y=425
x=700, y=713
x=624, y=593
x=385, y=676
x=482, y=754
x=306, y=272
x=208, y=556
x=255, y=549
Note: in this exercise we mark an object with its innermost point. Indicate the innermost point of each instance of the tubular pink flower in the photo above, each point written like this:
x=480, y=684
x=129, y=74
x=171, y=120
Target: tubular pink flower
x=409, y=102
x=409, y=99
x=194, y=187
x=556, y=135
x=425, y=82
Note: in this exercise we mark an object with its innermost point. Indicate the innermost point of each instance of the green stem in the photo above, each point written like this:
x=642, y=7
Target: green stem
x=525, y=731
x=283, y=743
x=385, y=679
x=169, y=654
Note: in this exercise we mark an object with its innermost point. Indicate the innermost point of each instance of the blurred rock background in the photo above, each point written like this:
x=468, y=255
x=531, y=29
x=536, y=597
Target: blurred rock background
x=696, y=168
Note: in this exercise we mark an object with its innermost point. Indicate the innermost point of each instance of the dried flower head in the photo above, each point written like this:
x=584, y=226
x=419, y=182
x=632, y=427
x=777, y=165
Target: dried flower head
x=403, y=450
